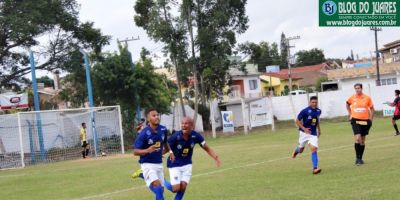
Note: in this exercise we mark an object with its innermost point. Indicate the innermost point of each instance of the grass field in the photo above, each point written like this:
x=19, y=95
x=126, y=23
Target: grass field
x=255, y=166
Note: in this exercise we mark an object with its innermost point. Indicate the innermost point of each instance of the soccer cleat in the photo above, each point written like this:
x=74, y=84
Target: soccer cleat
x=396, y=134
x=294, y=154
x=316, y=171
x=359, y=162
x=137, y=174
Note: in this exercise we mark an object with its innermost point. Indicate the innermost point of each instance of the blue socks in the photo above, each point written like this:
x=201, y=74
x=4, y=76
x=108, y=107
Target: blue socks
x=167, y=185
x=314, y=158
x=159, y=191
x=179, y=195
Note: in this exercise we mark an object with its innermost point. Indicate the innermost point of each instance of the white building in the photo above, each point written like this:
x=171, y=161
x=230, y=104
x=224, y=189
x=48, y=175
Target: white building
x=246, y=85
x=346, y=78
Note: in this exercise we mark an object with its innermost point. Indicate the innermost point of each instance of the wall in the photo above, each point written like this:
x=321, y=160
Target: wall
x=173, y=121
x=257, y=113
x=332, y=103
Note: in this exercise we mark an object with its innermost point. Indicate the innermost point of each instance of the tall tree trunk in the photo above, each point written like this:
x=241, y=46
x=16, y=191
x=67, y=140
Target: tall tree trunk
x=194, y=68
x=199, y=21
x=174, y=56
x=203, y=91
x=178, y=80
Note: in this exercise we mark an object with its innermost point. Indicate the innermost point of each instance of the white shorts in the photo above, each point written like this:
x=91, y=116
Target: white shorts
x=179, y=174
x=152, y=172
x=305, y=138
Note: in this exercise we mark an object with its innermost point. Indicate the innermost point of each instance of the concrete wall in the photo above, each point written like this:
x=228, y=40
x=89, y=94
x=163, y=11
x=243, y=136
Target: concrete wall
x=332, y=103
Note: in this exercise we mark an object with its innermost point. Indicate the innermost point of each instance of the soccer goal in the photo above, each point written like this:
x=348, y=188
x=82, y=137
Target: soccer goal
x=29, y=138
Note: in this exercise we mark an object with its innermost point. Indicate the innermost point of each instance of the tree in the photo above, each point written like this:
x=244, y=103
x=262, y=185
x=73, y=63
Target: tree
x=47, y=81
x=156, y=18
x=115, y=82
x=310, y=57
x=284, y=52
x=262, y=54
x=24, y=22
x=217, y=23
x=75, y=86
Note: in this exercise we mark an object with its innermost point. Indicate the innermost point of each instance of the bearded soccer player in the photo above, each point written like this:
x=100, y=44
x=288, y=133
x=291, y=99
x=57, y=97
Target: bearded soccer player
x=361, y=114
x=396, y=114
x=308, y=123
x=149, y=145
x=182, y=144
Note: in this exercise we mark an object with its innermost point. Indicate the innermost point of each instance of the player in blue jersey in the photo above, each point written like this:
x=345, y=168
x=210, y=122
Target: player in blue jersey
x=180, y=160
x=308, y=123
x=150, y=145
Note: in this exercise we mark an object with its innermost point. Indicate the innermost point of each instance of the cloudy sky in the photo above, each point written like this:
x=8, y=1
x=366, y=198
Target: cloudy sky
x=268, y=19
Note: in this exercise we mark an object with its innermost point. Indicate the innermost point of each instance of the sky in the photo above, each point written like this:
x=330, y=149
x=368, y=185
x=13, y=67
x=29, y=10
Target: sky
x=268, y=19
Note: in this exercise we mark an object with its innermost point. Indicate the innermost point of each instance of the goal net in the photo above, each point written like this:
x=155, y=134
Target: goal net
x=48, y=136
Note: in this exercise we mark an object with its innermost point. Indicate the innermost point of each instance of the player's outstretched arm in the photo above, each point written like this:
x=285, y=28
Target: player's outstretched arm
x=212, y=153
x=142, y=152
x=391, y=104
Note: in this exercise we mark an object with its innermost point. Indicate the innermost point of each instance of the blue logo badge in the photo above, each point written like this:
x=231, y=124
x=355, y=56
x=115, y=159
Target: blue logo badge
x=329, y=8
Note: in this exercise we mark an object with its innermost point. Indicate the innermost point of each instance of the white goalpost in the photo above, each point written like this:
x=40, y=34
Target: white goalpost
x=29, y=138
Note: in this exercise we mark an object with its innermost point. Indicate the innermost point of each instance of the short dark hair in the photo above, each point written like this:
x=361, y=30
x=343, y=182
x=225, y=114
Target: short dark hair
x=313, y=98
x=150, y=110
x=358, y=84
x=397, y=92
x=83, y=124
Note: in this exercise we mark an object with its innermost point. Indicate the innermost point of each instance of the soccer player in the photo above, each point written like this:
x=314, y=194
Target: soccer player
x=361, y=114
x=141, y=125
x=84, y=143
x=180, y=160
x=396, y=114
x=150, y=145
x=308, y=123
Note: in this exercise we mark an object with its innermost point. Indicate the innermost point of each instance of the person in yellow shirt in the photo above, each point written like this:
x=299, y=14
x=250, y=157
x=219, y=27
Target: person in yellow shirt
x=361, y=114
x=84, y=143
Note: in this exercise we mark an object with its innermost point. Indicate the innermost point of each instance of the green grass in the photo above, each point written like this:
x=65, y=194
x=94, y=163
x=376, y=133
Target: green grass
x=254, y=166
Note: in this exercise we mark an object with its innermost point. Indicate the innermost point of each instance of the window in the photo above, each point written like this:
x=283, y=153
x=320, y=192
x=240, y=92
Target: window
x=253, y=84
x=389, y=81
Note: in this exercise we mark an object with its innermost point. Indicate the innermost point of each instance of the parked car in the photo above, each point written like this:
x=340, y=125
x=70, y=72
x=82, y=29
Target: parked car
x=297, y=92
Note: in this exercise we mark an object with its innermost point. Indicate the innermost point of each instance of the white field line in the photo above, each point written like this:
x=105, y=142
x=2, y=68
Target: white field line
x=227, y=169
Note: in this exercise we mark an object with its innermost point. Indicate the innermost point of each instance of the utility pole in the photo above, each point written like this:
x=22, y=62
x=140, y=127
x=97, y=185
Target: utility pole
x=378, y=76
x=289, y=57
x=138, y=110
x=127, y=40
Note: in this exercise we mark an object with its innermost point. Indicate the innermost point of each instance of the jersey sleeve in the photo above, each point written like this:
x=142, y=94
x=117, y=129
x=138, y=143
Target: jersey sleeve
x=165, y=136
x=370, y=104
x=349, y=100
x=171, y=140
x=300, y=116
x=200, y=139
x=139, y=142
